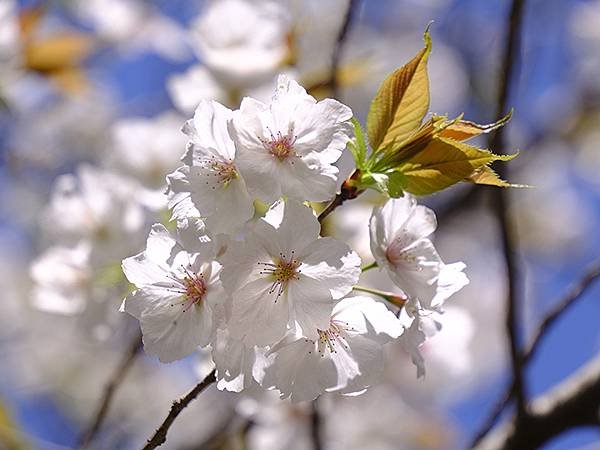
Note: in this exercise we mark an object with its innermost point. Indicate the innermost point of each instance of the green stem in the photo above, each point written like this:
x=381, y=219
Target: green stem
x=394, y=299
x=370, y=266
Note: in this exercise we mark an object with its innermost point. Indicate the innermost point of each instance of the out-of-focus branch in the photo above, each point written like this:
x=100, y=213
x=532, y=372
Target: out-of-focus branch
x=573, y=403
x=160, y=435
x=115, y=381
x=575, y=292
x=333, y=81
x=501, y=202
x=315, y=426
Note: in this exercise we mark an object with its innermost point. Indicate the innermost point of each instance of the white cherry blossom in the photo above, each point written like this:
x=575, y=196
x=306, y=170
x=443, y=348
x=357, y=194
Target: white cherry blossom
x=148, y=149
x=399, y=242
x=135, y=27
x=100, y=207
x=62, y=277
x=209, y=184
x=177, y=296
x=189, y=88
x=284, y=275
x=288, y=148
x=241, y=41
x=346, y=357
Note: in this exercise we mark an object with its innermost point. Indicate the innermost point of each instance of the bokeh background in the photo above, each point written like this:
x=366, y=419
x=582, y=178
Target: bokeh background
x=93, y=94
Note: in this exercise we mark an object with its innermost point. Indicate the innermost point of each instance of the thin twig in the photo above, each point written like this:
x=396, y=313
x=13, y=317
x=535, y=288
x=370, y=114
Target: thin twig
x=347, y=192
x=574, y=293
x=501, y=203
x=337, y=201
x=114, y=382
x=160, y=435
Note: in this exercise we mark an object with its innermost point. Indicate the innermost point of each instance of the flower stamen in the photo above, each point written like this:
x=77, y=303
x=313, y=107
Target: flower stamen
x=221, y=172
x=282, y=271
x=192, y=289
x=330, y=338
x=279, y=145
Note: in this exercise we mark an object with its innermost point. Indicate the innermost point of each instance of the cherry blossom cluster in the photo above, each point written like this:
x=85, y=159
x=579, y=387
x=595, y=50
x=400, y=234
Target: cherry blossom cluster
x=270, y=298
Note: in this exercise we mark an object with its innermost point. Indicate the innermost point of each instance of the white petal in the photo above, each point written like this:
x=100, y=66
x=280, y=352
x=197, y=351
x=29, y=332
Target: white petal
x=451, y=279
x=172, y=334
x=261, y=172
x=311, y=305
x=210, y=129
x=169, y=331
x=358, y=365
x=240, y=262
x=299, y=372
x=299, y=227
x=369, y=317
x=397, y=225
x=258, y=316
x=150, y=266
x=304, y=180
x=333, y=264
x=416, y=270
x=234, y=207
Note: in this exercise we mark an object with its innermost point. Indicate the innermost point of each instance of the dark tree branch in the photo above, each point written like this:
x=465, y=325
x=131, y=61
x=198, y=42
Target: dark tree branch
x=574, y=293
x=160, y=435
x=115, y=381
x=573, y=403
x=501, y=202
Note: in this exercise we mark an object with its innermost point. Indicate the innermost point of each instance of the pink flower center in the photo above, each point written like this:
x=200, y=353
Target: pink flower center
x=397, y=253
x=279, y=145
x=192, y=289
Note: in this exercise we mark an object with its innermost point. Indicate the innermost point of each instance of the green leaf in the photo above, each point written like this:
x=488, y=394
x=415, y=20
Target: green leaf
x=396, y=184
x=390, y=184
x=462, y=130
x=444, y=162
x=486, y=175
x=401, y=102
x=358, y=147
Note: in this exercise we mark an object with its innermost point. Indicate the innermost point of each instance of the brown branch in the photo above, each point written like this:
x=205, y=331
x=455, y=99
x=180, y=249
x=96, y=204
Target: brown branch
x=501, y=203
x=114, y=382
x=574, y=293
x=160, y=435
x=573, y=403
x=347, y=192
